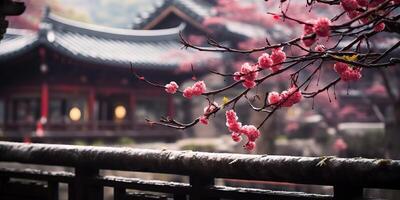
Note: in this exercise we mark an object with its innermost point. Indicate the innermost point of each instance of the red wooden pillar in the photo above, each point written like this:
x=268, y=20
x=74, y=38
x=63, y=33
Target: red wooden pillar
x=44, y=100
x=132, y=108
x=44, y=109
x=44, y=95
x=91, y=101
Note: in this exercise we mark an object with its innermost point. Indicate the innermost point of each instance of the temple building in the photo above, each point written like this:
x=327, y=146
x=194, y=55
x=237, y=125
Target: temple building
x=74, y=80
x=196, y=13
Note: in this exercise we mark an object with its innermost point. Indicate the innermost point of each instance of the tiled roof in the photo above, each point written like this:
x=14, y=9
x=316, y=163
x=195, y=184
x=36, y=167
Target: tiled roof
x=104, y=45
x=199, y=10
x=17, y=41
x=196, y=9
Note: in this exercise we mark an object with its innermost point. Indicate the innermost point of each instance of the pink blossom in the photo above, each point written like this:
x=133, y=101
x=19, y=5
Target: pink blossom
x=291, y=97
x=278, y=56
x=379, y=27
x=286, y=98
x=322, y=27
x=196, y=90
x=249, y=74
x=274, y=98
x=237, y=130
x=171, y=87
x=349, y=5
x=249, y=84
x=231, y=121
x=340, y=67
x=210, y=108
x=236, y=137
x=351, y=74
x=251, y=132
x=249, y=146
x=231, y=116
x=203, y=119
x=353, y=14
x=320, y=48
x=346, y=72
x=199, y=88
x=188, y=92
x=265, y=61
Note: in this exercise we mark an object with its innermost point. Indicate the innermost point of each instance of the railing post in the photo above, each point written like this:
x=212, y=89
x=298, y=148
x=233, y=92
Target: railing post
x=83, y=189
x=3, y=182
x=71, y=191
x=119, y=193
x=348, y=193
x=52, y=188
x=179, y=197
x=199, y=186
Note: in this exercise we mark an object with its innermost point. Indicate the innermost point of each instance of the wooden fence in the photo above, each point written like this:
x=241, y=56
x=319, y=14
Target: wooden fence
x=349, y=177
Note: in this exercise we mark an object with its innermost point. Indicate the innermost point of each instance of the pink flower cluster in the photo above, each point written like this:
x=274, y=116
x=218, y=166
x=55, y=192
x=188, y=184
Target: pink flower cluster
x=171, y=87
x=207, y=111
x=265, y=61
x=278, y=56
x=286, y=98
x=379, y=27
x=248, y=73
x=321, y=28
x=237, y=130
x=320, y=48
x=346, y=72
x=273, y=61
x=196, y=90
x=351, y=6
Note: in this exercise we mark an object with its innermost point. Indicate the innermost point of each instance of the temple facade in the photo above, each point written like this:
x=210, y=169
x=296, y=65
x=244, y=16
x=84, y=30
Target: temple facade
x=74, y=80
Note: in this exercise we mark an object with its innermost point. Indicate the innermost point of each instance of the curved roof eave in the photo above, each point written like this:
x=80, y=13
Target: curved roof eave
x=59, y=23
x=17, y=42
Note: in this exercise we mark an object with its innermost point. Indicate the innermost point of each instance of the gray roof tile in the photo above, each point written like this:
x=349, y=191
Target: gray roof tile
x=143, y=48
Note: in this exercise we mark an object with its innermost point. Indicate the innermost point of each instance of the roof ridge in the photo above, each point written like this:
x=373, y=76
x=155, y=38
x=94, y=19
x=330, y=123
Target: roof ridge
x=190, y=7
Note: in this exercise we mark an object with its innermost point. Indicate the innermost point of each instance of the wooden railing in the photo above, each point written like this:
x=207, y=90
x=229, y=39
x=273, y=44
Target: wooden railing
x=349, y=177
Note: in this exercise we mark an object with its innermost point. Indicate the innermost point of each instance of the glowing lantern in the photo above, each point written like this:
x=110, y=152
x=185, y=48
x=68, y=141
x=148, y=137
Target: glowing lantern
x=120, y=112
x=75, y=114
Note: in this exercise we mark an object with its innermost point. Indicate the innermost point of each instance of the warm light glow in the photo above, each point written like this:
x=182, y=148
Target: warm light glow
x=120, y=112
x=75, y=114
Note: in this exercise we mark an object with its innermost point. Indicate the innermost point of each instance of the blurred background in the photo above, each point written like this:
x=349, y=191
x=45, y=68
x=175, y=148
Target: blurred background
x=66, y=78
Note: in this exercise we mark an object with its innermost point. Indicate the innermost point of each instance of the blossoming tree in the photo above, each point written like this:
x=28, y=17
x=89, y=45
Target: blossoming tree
x=341, y=44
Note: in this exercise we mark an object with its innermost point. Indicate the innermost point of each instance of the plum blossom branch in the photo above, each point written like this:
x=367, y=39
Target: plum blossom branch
x=344, y=53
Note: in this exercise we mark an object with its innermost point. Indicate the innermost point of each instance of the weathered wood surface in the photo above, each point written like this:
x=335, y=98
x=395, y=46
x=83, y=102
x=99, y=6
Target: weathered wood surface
x=355, y=172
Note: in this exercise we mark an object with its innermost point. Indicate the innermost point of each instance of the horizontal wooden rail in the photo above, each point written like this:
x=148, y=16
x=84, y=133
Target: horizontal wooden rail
x=162, y=186
x=357, y=172
x=348, y=177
